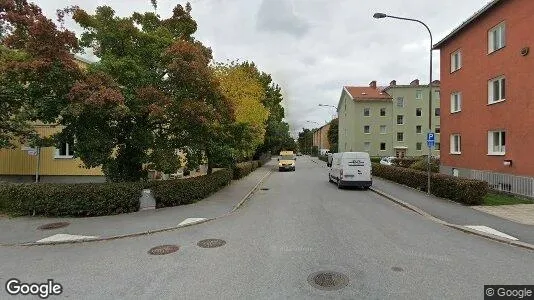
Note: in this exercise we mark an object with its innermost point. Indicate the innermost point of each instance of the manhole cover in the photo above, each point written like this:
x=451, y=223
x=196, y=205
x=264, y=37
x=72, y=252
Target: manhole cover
x=55, y=225
x=397, y=269
x=328, y=280
x=211, y=243
x=264, y=189
x=164, y=249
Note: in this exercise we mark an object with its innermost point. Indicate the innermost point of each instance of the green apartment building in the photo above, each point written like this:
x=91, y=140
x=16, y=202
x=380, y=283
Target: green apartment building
x=388, y=121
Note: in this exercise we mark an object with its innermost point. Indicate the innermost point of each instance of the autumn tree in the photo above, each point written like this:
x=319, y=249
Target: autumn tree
x=333, y=135
x=37, y=69
x=241, y=85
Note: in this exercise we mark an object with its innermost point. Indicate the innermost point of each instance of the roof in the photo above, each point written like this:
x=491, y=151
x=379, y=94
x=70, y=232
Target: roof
x=366, y=93
x=471, y=19
x=434, y=85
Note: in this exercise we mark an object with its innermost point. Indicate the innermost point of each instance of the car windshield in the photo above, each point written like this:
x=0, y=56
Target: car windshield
x=286, y=157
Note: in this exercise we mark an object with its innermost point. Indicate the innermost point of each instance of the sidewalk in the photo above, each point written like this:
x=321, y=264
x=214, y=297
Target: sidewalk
x=24, y=229
x=452, y=212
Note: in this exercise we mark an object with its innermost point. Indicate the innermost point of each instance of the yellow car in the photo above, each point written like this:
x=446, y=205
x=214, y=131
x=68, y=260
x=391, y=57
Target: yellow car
x=286, y=161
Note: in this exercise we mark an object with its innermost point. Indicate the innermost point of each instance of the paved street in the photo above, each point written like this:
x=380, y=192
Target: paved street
x=302, y=224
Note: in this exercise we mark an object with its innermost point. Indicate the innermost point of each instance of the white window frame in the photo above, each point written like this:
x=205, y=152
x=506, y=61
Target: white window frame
x=500, y=31
x=367, y=146
x=456, y=102
x=437, y=129
x=368, y=110
x=401, y=101
x=453, y=144
x=418, y=94
x=420, y=111
x=59, y=156
x=497, y=149
x=419, y=145
x=456, y=65
x=402, y=116
x=368, y=127
x=502, y=96
x=402, y=133
x=421, y=129
x=385, y=131
x=385, y=111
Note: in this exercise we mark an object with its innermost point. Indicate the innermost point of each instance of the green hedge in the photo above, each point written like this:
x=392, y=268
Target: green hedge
x=189, y=190
x=467, y=191
x=323, y=158
x=99, y=199
x=404, y=162
x=376, y=159
x=244, y=168
x=422, y=164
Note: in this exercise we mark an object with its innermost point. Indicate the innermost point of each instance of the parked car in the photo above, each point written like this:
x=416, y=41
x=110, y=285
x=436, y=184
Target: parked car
x=388, y=161
x=351, y=169
x=299, y=154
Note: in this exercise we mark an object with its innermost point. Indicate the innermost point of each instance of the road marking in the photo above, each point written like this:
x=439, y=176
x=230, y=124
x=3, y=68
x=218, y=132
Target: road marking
x=65, y=237
x=492, y=231
x=191, y=221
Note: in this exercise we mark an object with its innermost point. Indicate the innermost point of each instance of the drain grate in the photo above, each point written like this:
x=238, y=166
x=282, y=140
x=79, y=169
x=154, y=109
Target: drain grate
x=55, y=225
x=397, y=269
x=328, y=280
x=163, y=249
x=264, y=189
x=211, y=243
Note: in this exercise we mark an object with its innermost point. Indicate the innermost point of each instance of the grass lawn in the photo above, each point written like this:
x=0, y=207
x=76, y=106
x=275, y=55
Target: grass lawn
x=493, y=199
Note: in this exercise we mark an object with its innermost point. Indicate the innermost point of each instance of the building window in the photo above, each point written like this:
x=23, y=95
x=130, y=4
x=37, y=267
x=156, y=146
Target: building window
x=418, y=94
x=456, y=102
x=496, y=142
x=456, y=60
x=400, y=119
x=383, y=129
x=400, y=102
x=65, y=150
x=367, y=112
x=418, y=112
x=438, y=146
x=496, y=38
x=496, y=90
x=400, y=136
x=383, y=112
x=438, y=129
x=418, y=146
x=418, y=129
x=436, y=112
x=382, y=146
x=367, y=146
x=438, y=95
x=455, y=144
x=366, y=129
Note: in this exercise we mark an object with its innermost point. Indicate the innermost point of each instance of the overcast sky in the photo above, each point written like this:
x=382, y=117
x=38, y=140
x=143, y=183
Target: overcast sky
x=313, y=47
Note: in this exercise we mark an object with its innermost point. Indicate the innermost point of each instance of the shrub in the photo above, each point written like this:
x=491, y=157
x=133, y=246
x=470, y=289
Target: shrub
x=376, y=159
x=323, y=158
x=404, y=162
x=244, y=168
x=79, y=200
x=422, y=164
x=190, y=190
x=467, y=191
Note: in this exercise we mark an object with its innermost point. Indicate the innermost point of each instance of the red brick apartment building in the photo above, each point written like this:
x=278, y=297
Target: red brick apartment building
x=487, y=72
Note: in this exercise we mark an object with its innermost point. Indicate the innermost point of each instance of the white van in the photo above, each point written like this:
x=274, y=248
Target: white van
x=351, y=169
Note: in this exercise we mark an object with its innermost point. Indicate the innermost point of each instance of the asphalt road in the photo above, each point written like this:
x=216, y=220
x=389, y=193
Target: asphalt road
x=301, y=225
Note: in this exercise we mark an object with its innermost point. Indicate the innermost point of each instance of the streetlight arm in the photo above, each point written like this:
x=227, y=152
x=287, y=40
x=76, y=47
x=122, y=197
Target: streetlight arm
x=414, y=20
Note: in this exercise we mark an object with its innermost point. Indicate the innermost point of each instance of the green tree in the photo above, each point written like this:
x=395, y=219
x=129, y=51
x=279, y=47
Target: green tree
x=333, y=135
x=305, y=140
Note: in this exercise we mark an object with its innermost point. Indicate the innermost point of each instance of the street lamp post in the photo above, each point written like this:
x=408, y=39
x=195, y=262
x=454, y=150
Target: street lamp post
x=382, y=16
x=328, y=105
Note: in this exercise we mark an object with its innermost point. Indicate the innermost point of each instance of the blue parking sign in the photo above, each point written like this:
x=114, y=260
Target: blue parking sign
x=430, y=139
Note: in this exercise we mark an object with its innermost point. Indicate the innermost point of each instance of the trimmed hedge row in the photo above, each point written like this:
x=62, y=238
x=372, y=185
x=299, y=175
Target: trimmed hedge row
x=244, y=168
x=463, y=190
x=404, y=162
x=323, y=158
x=99, y=199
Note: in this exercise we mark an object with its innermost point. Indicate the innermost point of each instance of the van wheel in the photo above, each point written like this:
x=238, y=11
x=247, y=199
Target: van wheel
x=330, y=179
x=339, y=186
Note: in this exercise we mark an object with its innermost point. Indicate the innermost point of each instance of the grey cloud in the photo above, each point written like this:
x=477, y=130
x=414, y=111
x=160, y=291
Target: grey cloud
x=278, y=16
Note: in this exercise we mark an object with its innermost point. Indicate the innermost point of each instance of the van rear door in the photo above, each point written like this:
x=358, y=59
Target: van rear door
x=356, y=167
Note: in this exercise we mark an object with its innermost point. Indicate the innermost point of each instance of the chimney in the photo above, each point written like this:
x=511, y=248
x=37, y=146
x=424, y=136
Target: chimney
x=373, y=84
x=415, y=82
x=393, y=83
x=436, y=83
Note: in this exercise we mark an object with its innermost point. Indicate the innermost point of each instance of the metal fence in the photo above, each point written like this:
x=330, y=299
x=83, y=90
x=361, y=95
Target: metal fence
x=519, y=185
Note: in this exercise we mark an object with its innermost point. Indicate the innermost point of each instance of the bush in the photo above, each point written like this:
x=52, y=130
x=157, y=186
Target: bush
x=404, y=162
x=467, y=191
x=99, y=199
x=79, y=200
x=190, y=190
x=422, y=164
x=244, y=168
x=323, y=158
x=376, y=159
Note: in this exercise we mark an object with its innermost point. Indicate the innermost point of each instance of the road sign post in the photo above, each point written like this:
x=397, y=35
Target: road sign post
x=430, y=141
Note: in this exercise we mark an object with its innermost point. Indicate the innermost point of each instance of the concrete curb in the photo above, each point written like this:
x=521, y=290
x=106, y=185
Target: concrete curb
x=454, y=226
x=236, y=207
